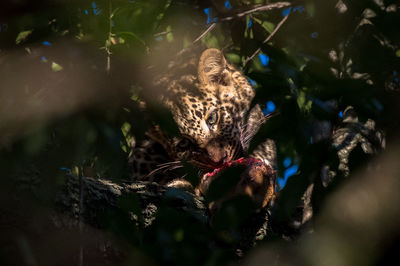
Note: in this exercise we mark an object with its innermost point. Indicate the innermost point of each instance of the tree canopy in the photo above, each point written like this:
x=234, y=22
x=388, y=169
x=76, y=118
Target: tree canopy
x=72, y=76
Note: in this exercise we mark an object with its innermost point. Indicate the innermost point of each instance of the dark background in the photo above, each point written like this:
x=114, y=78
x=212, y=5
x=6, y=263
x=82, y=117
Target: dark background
x=71, y=78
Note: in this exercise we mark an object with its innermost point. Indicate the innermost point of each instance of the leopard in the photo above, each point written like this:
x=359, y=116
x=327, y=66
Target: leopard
x=210, y=101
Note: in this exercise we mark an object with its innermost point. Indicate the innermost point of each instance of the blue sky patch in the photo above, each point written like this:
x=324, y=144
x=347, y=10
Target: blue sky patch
x=299, y=9
x=252, y=82
x=287, y=162
x=281, y=183
x=67, y=170
x=292, y=170
x=286, y=11
x=269, y=108
x=96, y=11
x=314, y=35
x=228, y=5
x=208, y=12
x=264, y=59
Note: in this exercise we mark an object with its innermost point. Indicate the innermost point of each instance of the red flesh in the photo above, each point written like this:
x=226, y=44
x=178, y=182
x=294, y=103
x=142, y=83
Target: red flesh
x=240, y=161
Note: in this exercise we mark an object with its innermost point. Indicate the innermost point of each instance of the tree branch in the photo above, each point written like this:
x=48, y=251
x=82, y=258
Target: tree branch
x=210, y=28
x=248, y=59
x=84, y=198
x=241, y=14
x=276, y=5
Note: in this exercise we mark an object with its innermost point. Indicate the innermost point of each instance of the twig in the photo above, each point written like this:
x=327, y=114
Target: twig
x=210, y=28
x=258, y=9
x=248, y=59
x=108, y=45
x=161, y=33
x=238, y=15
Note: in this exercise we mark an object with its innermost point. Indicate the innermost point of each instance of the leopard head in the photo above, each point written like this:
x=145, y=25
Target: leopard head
x=209, y=108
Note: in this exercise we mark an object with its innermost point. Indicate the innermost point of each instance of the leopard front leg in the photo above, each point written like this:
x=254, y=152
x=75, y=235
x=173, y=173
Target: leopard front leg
x=150, y=162
x=259, y=180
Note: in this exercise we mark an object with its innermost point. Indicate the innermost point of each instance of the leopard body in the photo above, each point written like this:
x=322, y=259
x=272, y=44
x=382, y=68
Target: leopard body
x=210, y=101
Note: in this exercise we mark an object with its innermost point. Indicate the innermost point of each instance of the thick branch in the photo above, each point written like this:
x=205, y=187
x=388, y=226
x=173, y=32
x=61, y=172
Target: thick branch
x=99, y=195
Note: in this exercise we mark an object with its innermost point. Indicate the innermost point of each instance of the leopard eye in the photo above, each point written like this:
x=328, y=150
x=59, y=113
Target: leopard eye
x=212, y=119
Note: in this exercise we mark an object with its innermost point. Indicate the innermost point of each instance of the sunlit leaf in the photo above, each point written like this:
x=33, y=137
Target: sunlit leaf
x=233, y=58
x=22, y=36
x=56, y=67
x=302, y=101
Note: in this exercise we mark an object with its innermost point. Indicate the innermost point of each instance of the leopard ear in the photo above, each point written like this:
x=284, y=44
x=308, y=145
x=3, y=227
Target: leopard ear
x=211, y=67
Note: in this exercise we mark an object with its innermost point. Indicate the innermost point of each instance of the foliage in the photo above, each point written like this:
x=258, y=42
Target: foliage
x=71, y=79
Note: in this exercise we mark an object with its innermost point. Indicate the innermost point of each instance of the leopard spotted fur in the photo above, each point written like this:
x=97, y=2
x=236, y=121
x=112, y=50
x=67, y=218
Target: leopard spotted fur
x=209, y=100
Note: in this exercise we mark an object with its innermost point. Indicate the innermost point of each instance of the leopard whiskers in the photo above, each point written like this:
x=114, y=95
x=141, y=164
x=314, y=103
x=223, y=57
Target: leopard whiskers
x=237, y=150
x=169, y=163
x=165, y=167
x=173, y=168
x=261, y=121
x=170, y=166
x=246, y=135
x=245, y=138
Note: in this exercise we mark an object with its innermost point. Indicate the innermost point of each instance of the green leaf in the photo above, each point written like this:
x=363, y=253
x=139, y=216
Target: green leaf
x=132, y=35
x=233, y=58
x=56, y=67
x=268, y=26
x=22, y=36
x=169, y=36
x=302, y=102
x=210, y=41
